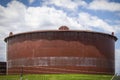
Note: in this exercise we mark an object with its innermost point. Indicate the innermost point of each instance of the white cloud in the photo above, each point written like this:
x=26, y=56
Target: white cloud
x=2, y=52
x=48, y=17
x=94, y=22
x=117, y=62
x=3, y=33
x=31, y=1
x=94, y=5
x=104, y=5
x=69, y=4
x=17, y=18
x=12, y=16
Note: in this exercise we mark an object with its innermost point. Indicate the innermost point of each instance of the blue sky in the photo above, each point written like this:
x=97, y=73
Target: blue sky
x=26, y=15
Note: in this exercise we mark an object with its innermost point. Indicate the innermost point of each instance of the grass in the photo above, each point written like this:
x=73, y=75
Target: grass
x=57, y=77
x=116, y=78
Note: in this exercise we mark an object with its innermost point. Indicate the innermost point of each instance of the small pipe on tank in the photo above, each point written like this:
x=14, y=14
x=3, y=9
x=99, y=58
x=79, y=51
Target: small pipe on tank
x=11, y=33
x=112, y=33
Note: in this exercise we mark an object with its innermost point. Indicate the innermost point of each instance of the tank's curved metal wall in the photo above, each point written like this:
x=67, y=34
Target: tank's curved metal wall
x=61, y=52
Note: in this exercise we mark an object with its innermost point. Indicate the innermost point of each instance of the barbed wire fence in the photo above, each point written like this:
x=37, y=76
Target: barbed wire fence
x=50, y=70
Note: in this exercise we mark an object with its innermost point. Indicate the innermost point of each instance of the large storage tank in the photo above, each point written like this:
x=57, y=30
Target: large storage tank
x=61, y=51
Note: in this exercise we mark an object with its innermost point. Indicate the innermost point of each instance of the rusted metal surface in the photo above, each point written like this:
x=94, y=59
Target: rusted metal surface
x=61, y=52
x=2, y=68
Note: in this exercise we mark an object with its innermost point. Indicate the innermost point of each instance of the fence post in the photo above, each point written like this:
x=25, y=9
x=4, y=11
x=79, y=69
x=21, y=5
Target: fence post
x=113, y=76
x=21, y=75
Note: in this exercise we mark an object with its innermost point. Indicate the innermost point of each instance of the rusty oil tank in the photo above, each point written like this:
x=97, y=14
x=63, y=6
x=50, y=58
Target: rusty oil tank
x=61, y=51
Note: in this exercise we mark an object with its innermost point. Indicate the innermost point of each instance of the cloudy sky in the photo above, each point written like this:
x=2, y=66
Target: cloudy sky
x=27, y=15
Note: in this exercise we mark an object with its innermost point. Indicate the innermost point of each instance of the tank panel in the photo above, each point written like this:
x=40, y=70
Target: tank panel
x=61, y=52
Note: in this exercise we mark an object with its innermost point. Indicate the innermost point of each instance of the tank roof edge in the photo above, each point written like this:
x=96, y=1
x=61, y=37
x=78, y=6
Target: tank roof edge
x=115, y=38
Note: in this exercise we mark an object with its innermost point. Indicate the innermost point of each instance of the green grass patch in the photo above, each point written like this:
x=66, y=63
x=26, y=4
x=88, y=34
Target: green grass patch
x=57, y=77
